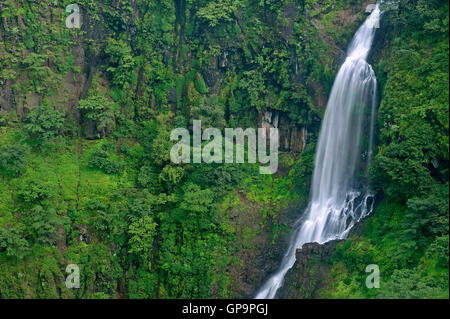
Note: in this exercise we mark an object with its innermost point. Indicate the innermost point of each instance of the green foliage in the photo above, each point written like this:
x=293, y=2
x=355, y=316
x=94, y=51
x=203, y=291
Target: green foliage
x=215, y=12
x=148, y=177
x=43, y=124
x=196, y=201
x=33, y=190
x=188, y=258
x=42, y=225
x=142, y=232
x=407, y=283
x=253, y=83
x=171, y=176
x=12, y=240
x=33, y=65
x=161, y=144
x=121, y=62
x=100, y=159
x=209, y=111
x=100, y=110
x=139, y=226
x=428, y=215
x=200, y=85
x=303, y=169
x=12, y=160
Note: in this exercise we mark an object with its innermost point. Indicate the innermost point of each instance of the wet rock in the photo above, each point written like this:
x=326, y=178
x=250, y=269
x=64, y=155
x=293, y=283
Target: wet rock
x=311, y=268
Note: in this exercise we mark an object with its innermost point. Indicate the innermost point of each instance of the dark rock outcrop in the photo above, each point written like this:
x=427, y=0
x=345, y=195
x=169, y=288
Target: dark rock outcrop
x=293, y=137
x=311, y=268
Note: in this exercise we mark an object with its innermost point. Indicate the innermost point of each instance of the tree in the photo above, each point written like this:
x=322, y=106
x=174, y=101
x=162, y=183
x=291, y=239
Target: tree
x=148, y=177
x=42, y=225
x=408, y=283
x=218, y=11
x=210, y=112
x=161, y=145
x=142, y=232
x=198, y=204
x=43, y=123
x=12, y=160
x=100, y=159
x=121, y=62
x=100, y=110
x=171, y=176
x=12, y=240
x=254, y=83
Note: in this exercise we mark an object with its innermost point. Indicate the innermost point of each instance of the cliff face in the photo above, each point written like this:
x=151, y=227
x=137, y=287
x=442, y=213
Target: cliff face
x=293, y=137
x=155, y=65
x=258, y=256
x=31, y=72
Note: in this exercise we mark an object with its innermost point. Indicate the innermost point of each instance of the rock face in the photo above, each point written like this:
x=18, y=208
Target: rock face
x=312, y=267
x=293, y=137
x=307, y=276
x=257, y=256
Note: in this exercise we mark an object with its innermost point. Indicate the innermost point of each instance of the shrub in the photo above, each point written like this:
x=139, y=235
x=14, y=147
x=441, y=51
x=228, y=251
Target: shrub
x=100, y=110
x=43, y=123
x=210, y=112
x=12, y=240
x=100, y=159
x=12, y=160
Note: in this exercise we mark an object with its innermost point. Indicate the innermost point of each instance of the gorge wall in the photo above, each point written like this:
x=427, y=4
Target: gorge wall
x=85, y=120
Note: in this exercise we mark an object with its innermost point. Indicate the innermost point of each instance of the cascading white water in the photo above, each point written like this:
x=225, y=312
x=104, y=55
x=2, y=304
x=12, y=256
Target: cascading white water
x=335, y=204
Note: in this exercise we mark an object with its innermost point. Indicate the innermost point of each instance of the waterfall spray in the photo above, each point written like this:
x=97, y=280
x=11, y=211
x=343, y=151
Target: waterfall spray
x=336, y=205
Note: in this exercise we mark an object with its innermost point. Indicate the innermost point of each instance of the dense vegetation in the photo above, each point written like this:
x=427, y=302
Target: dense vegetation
x=85, y=120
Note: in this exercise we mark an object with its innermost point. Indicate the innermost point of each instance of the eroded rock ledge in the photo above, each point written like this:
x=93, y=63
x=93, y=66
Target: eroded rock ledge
x=309, y=272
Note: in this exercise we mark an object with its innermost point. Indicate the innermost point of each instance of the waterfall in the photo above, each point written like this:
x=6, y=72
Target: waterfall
x=335, y=203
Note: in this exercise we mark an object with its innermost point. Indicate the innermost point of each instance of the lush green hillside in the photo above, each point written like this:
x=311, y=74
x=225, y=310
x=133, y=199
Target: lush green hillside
x=85, y=120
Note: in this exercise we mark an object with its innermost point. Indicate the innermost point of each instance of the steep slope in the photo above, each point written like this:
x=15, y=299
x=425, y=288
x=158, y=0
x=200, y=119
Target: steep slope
x=85, y=174
x=85, y=117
